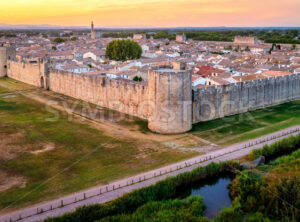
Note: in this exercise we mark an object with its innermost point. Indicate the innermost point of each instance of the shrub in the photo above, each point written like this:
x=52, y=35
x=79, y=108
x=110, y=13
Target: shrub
x=167, y=210
x=277, y=149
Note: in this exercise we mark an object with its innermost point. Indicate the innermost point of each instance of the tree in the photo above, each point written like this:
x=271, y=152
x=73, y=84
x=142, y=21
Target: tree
x=273, y=46
x=138, y=79
x=293, y=47
x=270, y=51
x=228, y=47
x=237, y=49
x=279, y=47
x=247, y=49
x=73, y=38
x=293, y=32
x=54, y=48
x=59, y=40
x=122, y=50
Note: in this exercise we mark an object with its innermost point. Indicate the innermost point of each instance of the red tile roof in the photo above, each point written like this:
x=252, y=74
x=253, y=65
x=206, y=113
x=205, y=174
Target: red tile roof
x=206, y=71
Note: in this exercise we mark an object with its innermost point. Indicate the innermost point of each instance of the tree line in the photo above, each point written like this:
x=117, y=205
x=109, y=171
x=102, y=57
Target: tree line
x=269, y=36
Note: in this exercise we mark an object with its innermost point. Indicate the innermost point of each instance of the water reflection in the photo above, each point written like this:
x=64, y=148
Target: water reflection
x=214, y=192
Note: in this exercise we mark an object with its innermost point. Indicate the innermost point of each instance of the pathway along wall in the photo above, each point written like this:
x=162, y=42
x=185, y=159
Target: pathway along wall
x=214, y=102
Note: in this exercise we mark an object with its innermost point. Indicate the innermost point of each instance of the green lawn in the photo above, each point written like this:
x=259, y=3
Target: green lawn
x=82, y=156
x=238, y=128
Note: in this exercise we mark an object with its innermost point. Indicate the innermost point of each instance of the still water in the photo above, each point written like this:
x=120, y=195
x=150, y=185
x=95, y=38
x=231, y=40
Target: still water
x=214, y=192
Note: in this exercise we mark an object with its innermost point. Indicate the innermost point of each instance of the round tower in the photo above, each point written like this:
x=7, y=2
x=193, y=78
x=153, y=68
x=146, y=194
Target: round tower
x=170, y=97
x=3, y=61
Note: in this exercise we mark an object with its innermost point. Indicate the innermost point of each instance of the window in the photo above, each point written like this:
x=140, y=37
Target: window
x=5, y=67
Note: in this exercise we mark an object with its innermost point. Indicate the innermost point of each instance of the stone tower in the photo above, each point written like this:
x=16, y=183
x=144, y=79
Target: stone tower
x=92, y=31
x=170, y=98
x=6, y=53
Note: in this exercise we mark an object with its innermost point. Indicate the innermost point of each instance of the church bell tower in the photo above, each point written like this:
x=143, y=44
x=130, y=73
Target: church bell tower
x=92, y=31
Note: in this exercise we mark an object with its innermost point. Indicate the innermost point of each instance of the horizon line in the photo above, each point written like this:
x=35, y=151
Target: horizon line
x=134, y=27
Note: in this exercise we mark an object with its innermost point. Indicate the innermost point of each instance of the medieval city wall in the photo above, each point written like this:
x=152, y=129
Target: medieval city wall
x=26, y=72
x=142, y=100
x=214, y=102
x=123, y=96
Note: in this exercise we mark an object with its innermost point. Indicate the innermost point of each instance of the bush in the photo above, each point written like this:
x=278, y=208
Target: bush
x=167, y=210
x=122, y=50
x=270, y=196
x=277, y=149
x=289, y=158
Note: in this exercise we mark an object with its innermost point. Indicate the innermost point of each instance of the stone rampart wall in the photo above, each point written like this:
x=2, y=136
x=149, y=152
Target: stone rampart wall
x=26, y=72
x=214, y=102
x=120, y=95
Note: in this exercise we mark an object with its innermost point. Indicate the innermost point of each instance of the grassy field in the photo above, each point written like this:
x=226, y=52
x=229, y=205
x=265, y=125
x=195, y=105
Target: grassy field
x=42, y=159
x=52, y=158
x=238, y=128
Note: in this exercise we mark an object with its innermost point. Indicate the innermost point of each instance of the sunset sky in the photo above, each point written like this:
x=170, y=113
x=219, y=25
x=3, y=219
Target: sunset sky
x=151, y=13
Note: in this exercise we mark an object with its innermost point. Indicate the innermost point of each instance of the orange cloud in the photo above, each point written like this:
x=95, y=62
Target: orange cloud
x=163, y=13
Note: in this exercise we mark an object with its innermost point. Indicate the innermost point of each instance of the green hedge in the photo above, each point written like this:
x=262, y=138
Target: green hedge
x=176, y=210
x=277, y=149
x=162, y=190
